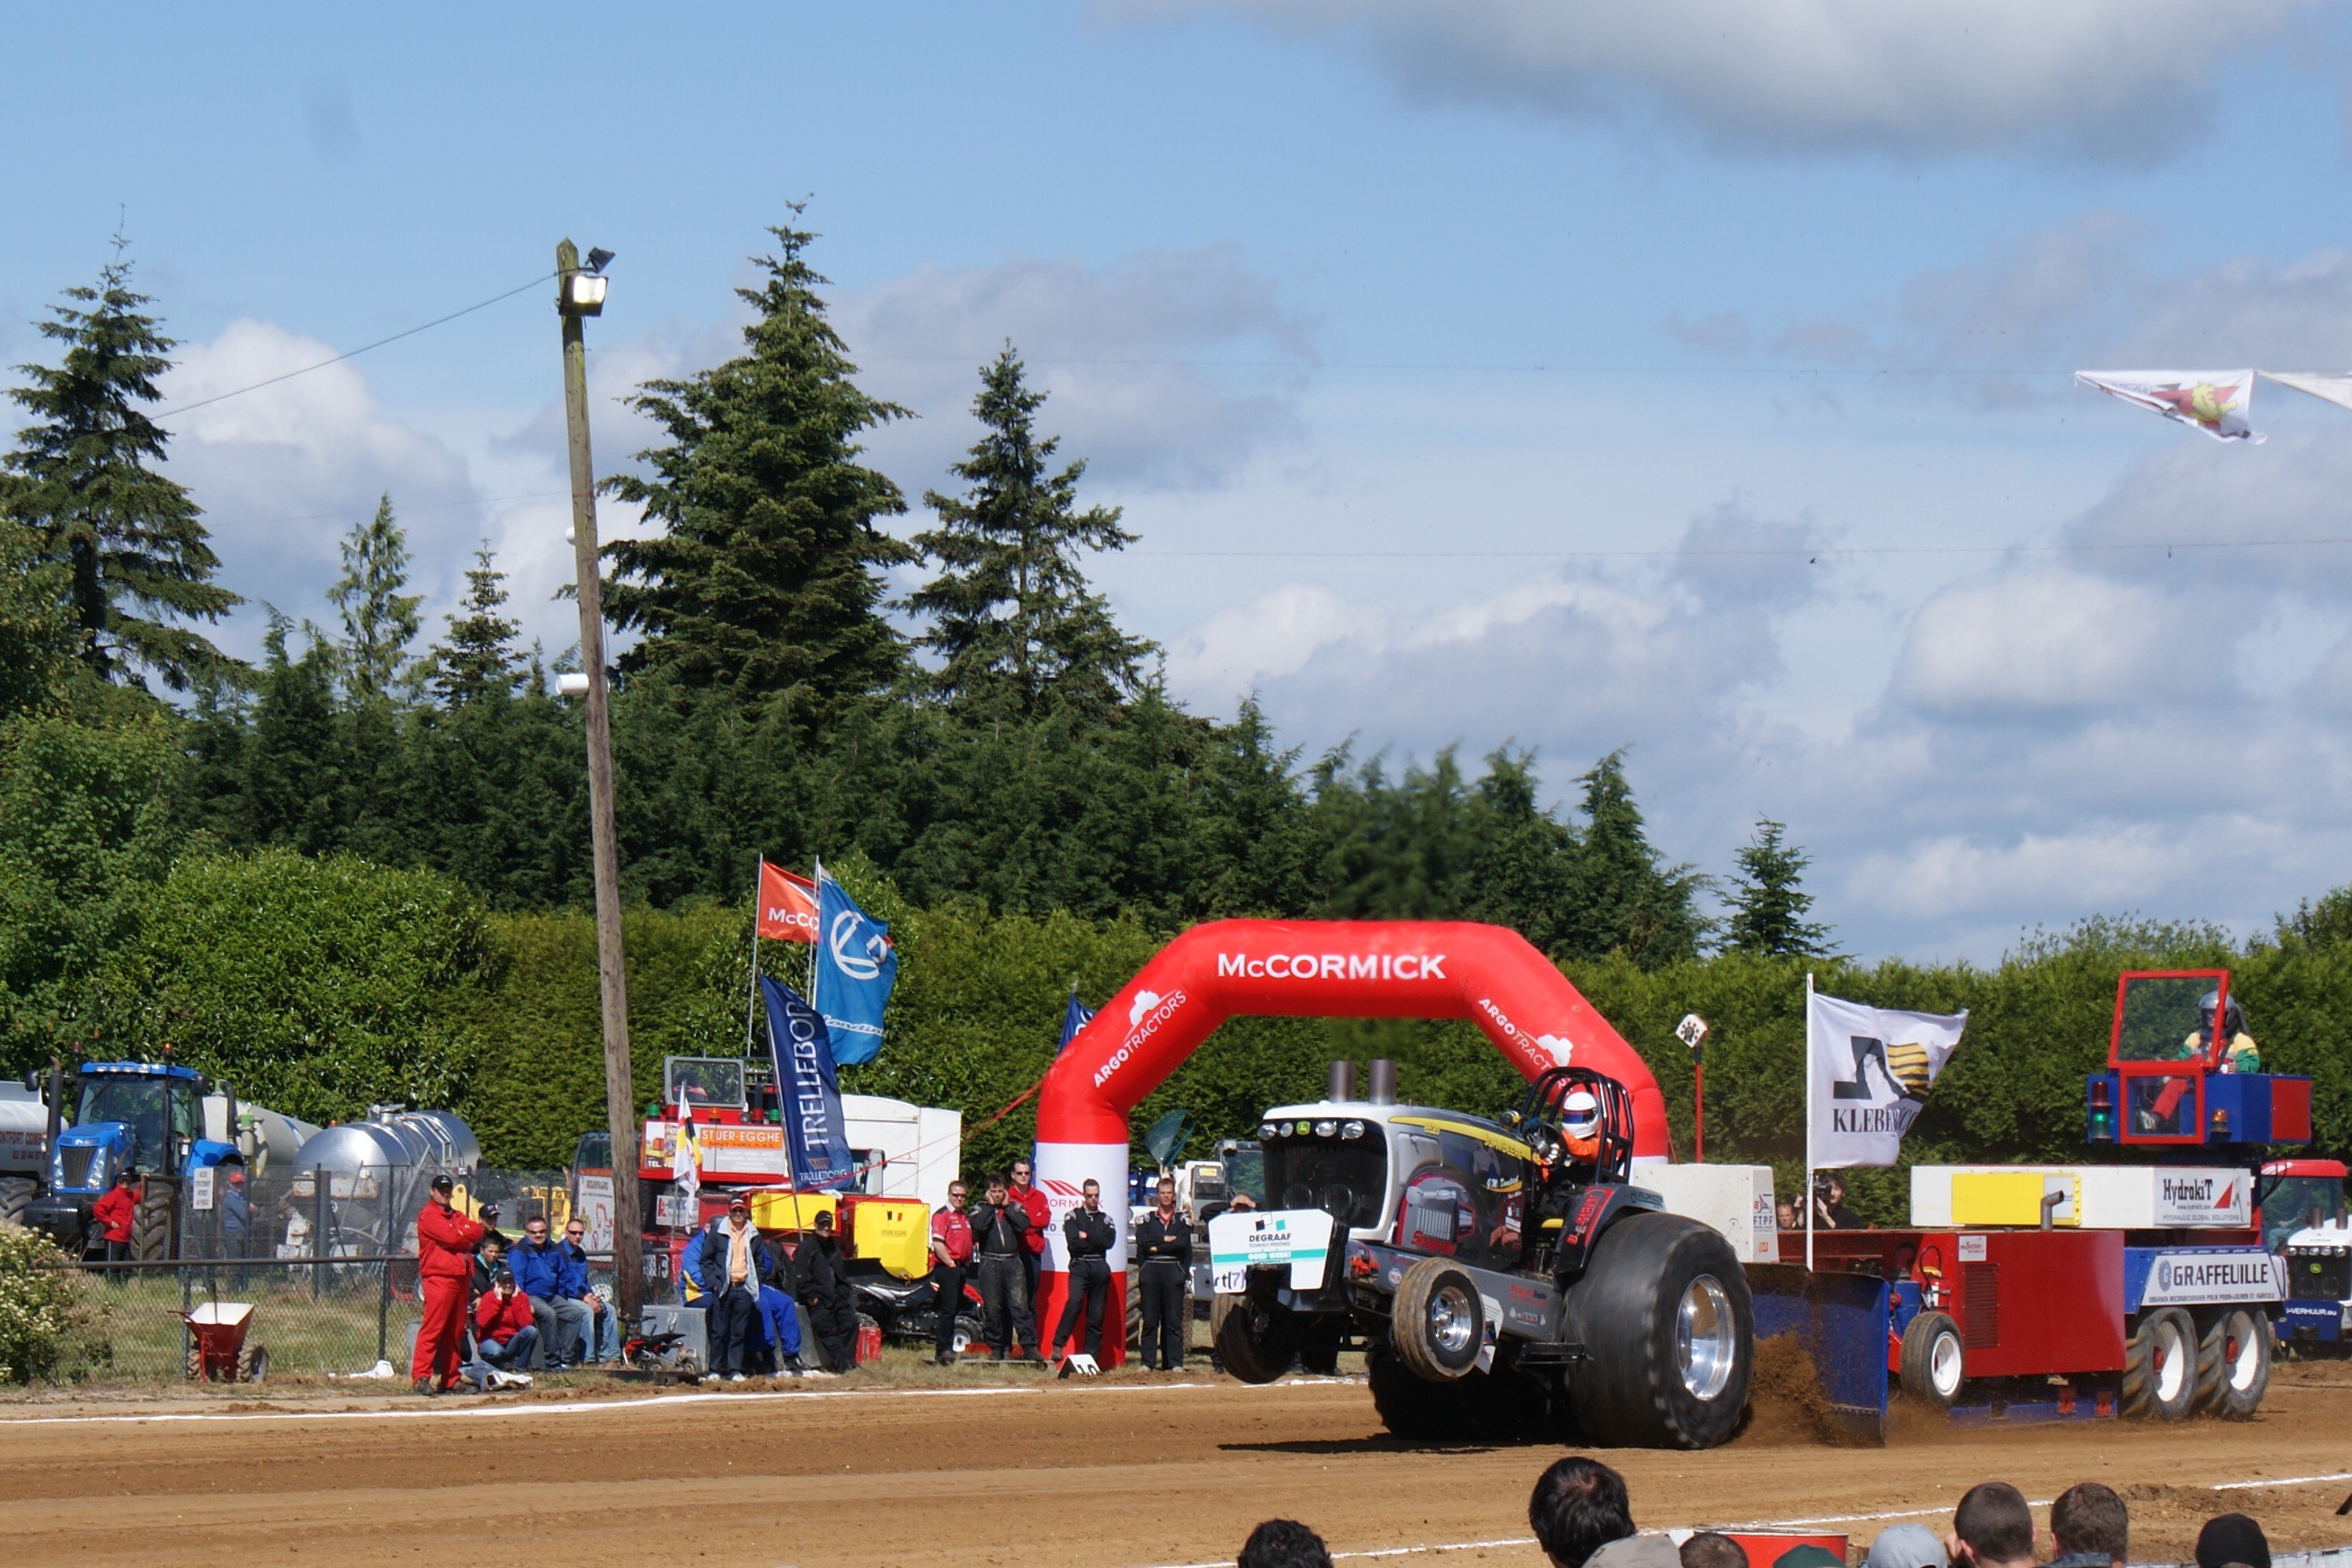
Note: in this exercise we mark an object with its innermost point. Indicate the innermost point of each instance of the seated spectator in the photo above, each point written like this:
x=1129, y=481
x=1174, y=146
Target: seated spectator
x=2232, y=1538
x=601, y=1341
x=504, y=1334
x=2091, y=1526
x=489, y=1256
x=1713, y=1548
x=1579, y=1506
x=1992, y=1527
x=1905, y=1546
x=1284, y=1544
x=1785, y=1216
x=542, y=1269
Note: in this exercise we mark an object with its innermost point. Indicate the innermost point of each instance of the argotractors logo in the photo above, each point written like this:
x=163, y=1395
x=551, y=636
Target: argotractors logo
x=1332, y=966
x=1144, y=1015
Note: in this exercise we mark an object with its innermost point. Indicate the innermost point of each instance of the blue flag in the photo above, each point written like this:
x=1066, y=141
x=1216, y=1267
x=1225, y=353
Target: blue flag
x=855, y=966
x=815, y=1135
x=1074, y=1016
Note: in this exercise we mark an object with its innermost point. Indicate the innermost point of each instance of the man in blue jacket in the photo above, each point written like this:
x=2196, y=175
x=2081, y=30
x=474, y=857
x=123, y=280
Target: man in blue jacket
x=734, y=1258
x=548, y=1274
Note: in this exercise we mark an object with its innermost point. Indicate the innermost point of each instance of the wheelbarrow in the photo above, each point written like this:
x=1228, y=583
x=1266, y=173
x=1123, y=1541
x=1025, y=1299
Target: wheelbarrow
x=217, y=1349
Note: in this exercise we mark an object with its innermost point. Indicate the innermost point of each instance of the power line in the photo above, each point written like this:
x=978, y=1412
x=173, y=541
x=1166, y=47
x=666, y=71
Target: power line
x=354, y=354
x=1418, y=367
x=1812, y=553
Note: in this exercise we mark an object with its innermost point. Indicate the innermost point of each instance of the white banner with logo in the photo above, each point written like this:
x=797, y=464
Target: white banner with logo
x=1870, y=1070
x=1297, y=1239
x=2192, y=1277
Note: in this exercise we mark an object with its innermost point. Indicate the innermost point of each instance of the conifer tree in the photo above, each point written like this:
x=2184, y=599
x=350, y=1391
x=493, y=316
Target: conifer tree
x=379, y=620
x=1625, y=900
x=1768, y=906
x=137, y=560
x=766, y=577
x=476, y=657
x=1011, y=616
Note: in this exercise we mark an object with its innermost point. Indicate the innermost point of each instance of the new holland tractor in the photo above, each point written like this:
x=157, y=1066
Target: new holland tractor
x=110, y=1117
x=1504, y=1277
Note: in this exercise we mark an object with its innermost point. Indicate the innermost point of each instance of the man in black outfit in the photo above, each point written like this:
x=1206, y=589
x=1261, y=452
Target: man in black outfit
x=999, y=1230
x=733, y=1260
x=1164, y=1242
x=822, y=1285
x=1087, y=1236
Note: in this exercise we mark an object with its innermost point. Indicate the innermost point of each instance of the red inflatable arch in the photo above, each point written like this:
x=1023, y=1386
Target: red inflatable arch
x=1315, y=969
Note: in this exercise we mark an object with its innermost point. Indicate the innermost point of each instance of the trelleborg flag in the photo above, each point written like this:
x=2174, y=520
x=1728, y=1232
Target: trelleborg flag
x=2333, y=387
x=816, y=1138
x=1074, y=1016
x=787, y=905
x=2213, y=401
x=855, y=967
x=1872, y=1068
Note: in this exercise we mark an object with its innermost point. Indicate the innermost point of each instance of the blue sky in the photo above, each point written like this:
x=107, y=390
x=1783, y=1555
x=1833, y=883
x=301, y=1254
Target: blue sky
x=1454, y=362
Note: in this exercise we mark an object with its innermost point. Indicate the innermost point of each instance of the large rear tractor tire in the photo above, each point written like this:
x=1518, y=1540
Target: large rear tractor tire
x=151, y=1223
x=1932, y=1360
x=2159, y=1379
x=1318, y=1347
x=1436, y=1321
x=1255, y=1341
x=15, y=1196
x=2233, y=1363
x=1669, y=1335
x=1411, y=1407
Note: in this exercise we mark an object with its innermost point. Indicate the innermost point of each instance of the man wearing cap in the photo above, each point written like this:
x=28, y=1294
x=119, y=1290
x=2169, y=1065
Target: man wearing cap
x=113, y=1215
x=445, y=1262
x=733, y=1258
x=1905, y=1546
x=504, y=1334
x=822, y=1285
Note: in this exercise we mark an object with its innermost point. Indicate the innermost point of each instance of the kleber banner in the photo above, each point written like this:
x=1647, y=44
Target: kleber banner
x=855, y=967
x=1872, y=1068
x=2214, y=401
x=787, y=905
x=816, y=1137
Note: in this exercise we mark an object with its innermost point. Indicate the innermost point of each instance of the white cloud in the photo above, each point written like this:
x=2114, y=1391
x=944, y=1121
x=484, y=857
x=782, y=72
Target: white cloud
x=2027, y=641
x=2125, y=79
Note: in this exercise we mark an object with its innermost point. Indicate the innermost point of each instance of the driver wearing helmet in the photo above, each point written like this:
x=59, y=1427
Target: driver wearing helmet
x=1579, y=1126
x=2240, y=1055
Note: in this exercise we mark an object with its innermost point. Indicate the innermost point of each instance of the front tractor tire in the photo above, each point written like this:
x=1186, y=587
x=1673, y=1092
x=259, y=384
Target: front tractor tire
x=1669, y=1335
x=1437, y=1322
x=1255, y=1339
x=2159, y=1379
x=1932, y=1360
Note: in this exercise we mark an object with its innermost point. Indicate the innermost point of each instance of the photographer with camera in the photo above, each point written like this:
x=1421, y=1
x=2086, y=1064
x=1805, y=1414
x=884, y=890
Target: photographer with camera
x=1830, y=1212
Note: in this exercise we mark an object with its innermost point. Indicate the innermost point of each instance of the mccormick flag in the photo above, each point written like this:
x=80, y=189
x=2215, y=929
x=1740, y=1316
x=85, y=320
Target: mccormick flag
x=1075, y=1017
x=2213, y=401
x=2335, y=389
x=1871, y=1068
x=815, y=1136
x=787, y=905
x=855, y=966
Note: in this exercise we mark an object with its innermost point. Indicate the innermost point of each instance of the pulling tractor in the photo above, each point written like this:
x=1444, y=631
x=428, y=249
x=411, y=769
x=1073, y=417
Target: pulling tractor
x=1498, y=1284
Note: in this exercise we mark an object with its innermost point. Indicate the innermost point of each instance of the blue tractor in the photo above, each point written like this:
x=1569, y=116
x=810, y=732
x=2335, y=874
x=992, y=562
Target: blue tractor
x=111, y=1117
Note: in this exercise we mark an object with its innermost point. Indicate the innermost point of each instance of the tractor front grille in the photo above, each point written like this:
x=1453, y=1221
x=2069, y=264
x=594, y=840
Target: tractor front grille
x=73, y=1166
x=2319, y=1276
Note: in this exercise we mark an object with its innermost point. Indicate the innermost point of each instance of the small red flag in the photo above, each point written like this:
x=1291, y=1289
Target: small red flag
x=787, y=905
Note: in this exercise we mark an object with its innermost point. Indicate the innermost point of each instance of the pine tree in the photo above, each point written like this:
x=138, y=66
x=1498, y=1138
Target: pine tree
x=766, y=577
x=292, y=760
x=137, y=558
x=1626, y=901
x=477, y=658
x=1767, y=908
x=379, y=620
x=1011, y=615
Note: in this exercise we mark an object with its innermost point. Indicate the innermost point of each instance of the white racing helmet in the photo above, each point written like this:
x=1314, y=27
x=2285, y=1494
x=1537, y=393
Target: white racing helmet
x=1580, y=1114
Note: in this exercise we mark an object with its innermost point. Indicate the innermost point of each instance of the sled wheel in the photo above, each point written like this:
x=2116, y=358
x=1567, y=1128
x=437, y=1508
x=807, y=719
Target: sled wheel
x=2159, y=1377
x=1662, y=1313
x=1932, y=1361
x=253, y=1363
x=1411, y=1407
x=1254, y=1338
x=1134, y=1312
x=1436, y=1321
x=2233, y=1363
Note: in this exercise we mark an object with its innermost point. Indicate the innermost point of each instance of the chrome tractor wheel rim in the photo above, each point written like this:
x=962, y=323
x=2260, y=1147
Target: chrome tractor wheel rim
x=1706, y=1341
x=1453, y=1320
x=1944, y=1365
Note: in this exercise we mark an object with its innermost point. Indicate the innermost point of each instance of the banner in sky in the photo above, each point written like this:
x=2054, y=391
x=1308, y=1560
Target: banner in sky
x=2335, y=388
x=816, y=1137
x=1074, y=1016
x=855, y=967
x=2213, y=401
x=787, y=905
x=1871, y=1069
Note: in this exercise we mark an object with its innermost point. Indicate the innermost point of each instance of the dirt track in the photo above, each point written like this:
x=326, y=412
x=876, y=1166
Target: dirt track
x=1118, y=1474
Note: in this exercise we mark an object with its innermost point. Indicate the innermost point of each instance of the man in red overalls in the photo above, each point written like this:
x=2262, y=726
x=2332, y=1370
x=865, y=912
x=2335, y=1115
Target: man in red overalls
x=444, y=1264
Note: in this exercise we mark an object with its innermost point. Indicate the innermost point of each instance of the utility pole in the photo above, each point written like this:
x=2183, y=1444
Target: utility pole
x=579, y=295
